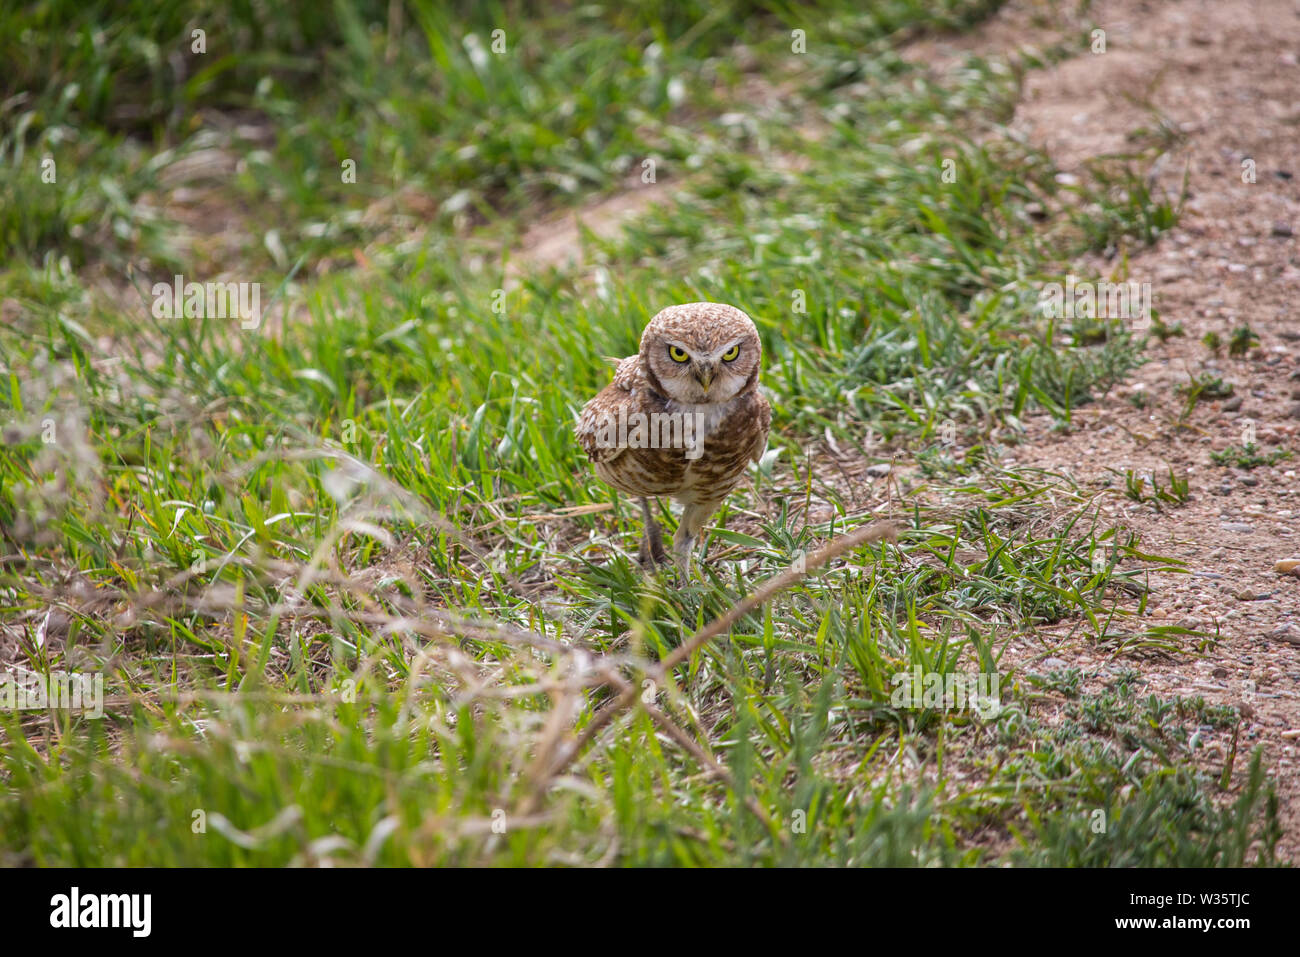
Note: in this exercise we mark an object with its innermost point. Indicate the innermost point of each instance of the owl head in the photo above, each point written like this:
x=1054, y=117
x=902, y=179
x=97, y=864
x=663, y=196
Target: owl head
x=701, y=352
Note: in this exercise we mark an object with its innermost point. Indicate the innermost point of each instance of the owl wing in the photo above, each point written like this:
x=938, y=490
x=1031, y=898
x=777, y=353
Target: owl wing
x=763, y=422
x=628, y=374
x=604, y=409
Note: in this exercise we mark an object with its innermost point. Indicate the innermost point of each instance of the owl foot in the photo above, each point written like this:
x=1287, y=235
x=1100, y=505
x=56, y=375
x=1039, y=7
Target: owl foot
x=689, y=531
x=651, y=555
x=682, y=551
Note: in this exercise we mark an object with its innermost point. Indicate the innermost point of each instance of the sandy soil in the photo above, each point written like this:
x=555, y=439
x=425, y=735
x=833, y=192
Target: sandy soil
x=1222, y=78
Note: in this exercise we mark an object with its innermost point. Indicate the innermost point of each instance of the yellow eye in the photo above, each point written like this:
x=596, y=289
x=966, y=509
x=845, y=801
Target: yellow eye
x=731, y=354
x=677, y=355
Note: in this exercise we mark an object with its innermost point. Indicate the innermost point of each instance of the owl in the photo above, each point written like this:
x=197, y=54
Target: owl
x=683, y=418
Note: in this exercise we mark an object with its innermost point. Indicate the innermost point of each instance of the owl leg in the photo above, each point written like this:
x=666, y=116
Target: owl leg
x=688, y=532
x=652, y=552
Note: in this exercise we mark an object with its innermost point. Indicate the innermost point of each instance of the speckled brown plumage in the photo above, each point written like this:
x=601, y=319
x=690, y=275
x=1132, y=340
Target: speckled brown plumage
x=695, y=381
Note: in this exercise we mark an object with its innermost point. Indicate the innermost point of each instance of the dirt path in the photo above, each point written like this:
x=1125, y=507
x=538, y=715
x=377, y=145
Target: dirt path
x=557, y=242
x=1219, y=79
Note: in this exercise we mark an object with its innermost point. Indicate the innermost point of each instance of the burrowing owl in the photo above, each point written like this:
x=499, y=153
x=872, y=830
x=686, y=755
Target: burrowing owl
x=682, y=418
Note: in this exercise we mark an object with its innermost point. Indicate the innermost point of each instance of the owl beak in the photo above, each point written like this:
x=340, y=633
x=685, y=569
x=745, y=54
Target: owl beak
x=704, y=375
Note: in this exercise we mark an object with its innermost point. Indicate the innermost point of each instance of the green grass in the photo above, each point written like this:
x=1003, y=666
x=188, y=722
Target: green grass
x=1248, y=456
x=1174, y=493
x=352, y=586
x=445, y=122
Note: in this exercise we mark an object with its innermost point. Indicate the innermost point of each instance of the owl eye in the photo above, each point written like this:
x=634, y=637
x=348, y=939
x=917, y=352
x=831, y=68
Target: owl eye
x=731, y=353
x=677, y=354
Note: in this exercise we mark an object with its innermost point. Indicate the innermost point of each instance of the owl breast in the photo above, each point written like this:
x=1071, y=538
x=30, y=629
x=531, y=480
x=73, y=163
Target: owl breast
x=726, y=438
